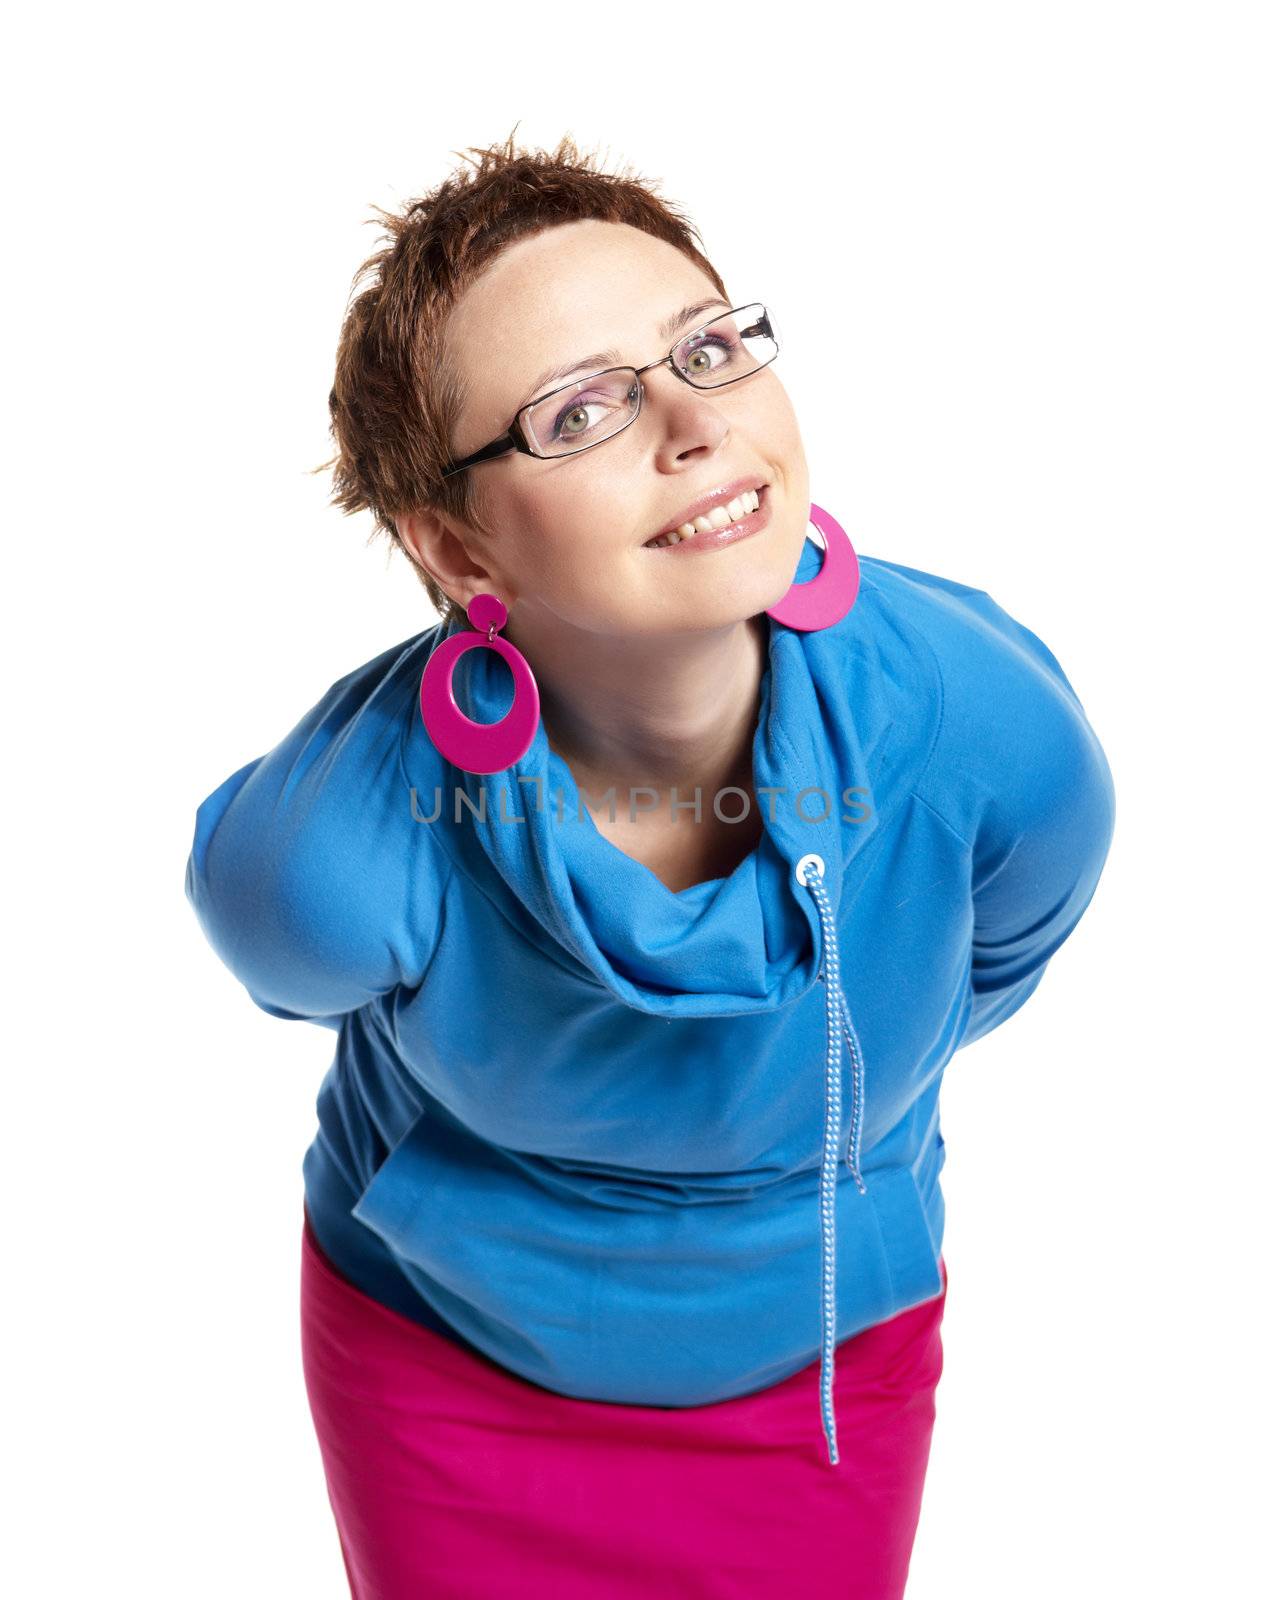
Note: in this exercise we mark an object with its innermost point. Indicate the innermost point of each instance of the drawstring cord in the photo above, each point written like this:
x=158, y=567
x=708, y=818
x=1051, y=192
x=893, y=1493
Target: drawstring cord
x=810, y=870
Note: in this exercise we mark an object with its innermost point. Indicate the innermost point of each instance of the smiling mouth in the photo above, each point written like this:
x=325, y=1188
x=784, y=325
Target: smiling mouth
x=718, y=528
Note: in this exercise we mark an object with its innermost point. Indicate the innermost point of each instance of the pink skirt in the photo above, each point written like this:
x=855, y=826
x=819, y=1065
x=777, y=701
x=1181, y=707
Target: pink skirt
x=452, y=1479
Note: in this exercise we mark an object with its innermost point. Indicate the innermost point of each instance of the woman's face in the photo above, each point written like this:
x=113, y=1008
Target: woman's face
x=566, y=538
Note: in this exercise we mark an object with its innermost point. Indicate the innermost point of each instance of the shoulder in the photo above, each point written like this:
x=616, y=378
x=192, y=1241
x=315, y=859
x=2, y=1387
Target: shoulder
x=337, y=764
x=1012, y=731
x=306, y=870
x=965, y=626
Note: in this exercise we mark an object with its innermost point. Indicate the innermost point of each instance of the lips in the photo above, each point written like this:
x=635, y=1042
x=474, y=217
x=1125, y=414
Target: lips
x=701, y=544
x=705, y=503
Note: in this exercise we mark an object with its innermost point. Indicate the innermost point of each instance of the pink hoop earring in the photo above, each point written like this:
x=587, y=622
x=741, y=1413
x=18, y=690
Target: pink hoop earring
x=479, y=746
x=823, y=600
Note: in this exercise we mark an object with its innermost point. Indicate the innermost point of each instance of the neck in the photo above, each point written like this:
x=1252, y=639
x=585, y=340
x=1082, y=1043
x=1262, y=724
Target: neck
x=672, y=711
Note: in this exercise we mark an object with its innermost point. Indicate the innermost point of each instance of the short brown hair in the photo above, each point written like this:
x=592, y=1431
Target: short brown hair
x=396, y=395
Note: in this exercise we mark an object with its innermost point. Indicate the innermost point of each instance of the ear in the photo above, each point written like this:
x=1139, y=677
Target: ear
x=442, y=549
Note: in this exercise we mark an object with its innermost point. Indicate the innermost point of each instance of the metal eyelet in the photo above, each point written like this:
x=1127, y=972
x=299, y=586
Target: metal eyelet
x=809, y=861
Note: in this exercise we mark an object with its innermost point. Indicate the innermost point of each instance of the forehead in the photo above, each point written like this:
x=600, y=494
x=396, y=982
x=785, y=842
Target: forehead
x=548, y=299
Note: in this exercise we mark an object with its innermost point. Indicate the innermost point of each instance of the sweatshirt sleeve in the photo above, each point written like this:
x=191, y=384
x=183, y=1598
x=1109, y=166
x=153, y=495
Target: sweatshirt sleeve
x=1037, y=859
x=1032, y=790
x=305, y=880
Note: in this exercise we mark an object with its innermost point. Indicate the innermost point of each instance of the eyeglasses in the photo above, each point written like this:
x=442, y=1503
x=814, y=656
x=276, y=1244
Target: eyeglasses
x=590, y=411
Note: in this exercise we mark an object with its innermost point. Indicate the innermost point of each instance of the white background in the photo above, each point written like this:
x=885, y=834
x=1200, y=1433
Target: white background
x=1021, y=259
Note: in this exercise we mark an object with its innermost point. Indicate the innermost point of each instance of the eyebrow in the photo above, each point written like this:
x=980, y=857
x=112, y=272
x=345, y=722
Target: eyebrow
x=601, y=359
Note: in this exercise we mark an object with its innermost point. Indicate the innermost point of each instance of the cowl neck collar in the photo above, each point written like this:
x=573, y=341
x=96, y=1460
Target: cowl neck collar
x=748, y=942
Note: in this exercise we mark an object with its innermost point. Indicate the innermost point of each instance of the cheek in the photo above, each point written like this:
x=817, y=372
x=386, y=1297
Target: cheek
x=786, y=431
x=787, y=451
x=584, y=526
x=773, y=404
x=547, y=538
x=567, y=554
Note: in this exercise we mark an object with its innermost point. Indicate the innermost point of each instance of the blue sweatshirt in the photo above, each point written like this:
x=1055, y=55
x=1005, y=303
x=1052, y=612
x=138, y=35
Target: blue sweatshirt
x=649, y=1147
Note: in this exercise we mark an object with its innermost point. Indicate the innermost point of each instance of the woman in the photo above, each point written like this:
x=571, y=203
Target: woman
x=613, y=1282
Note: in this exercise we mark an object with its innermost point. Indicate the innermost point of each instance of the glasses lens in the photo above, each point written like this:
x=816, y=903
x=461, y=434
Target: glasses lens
x=733, y=347
x=584, y=413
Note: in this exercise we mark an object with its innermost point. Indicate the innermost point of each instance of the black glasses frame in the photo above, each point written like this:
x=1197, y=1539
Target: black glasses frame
x=516, y=439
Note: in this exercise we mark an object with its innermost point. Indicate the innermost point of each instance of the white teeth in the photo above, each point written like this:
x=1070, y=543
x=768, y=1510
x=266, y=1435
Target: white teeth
x=719, y=517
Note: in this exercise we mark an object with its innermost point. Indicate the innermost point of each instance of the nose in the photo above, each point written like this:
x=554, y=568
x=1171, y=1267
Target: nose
x=691, y=429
